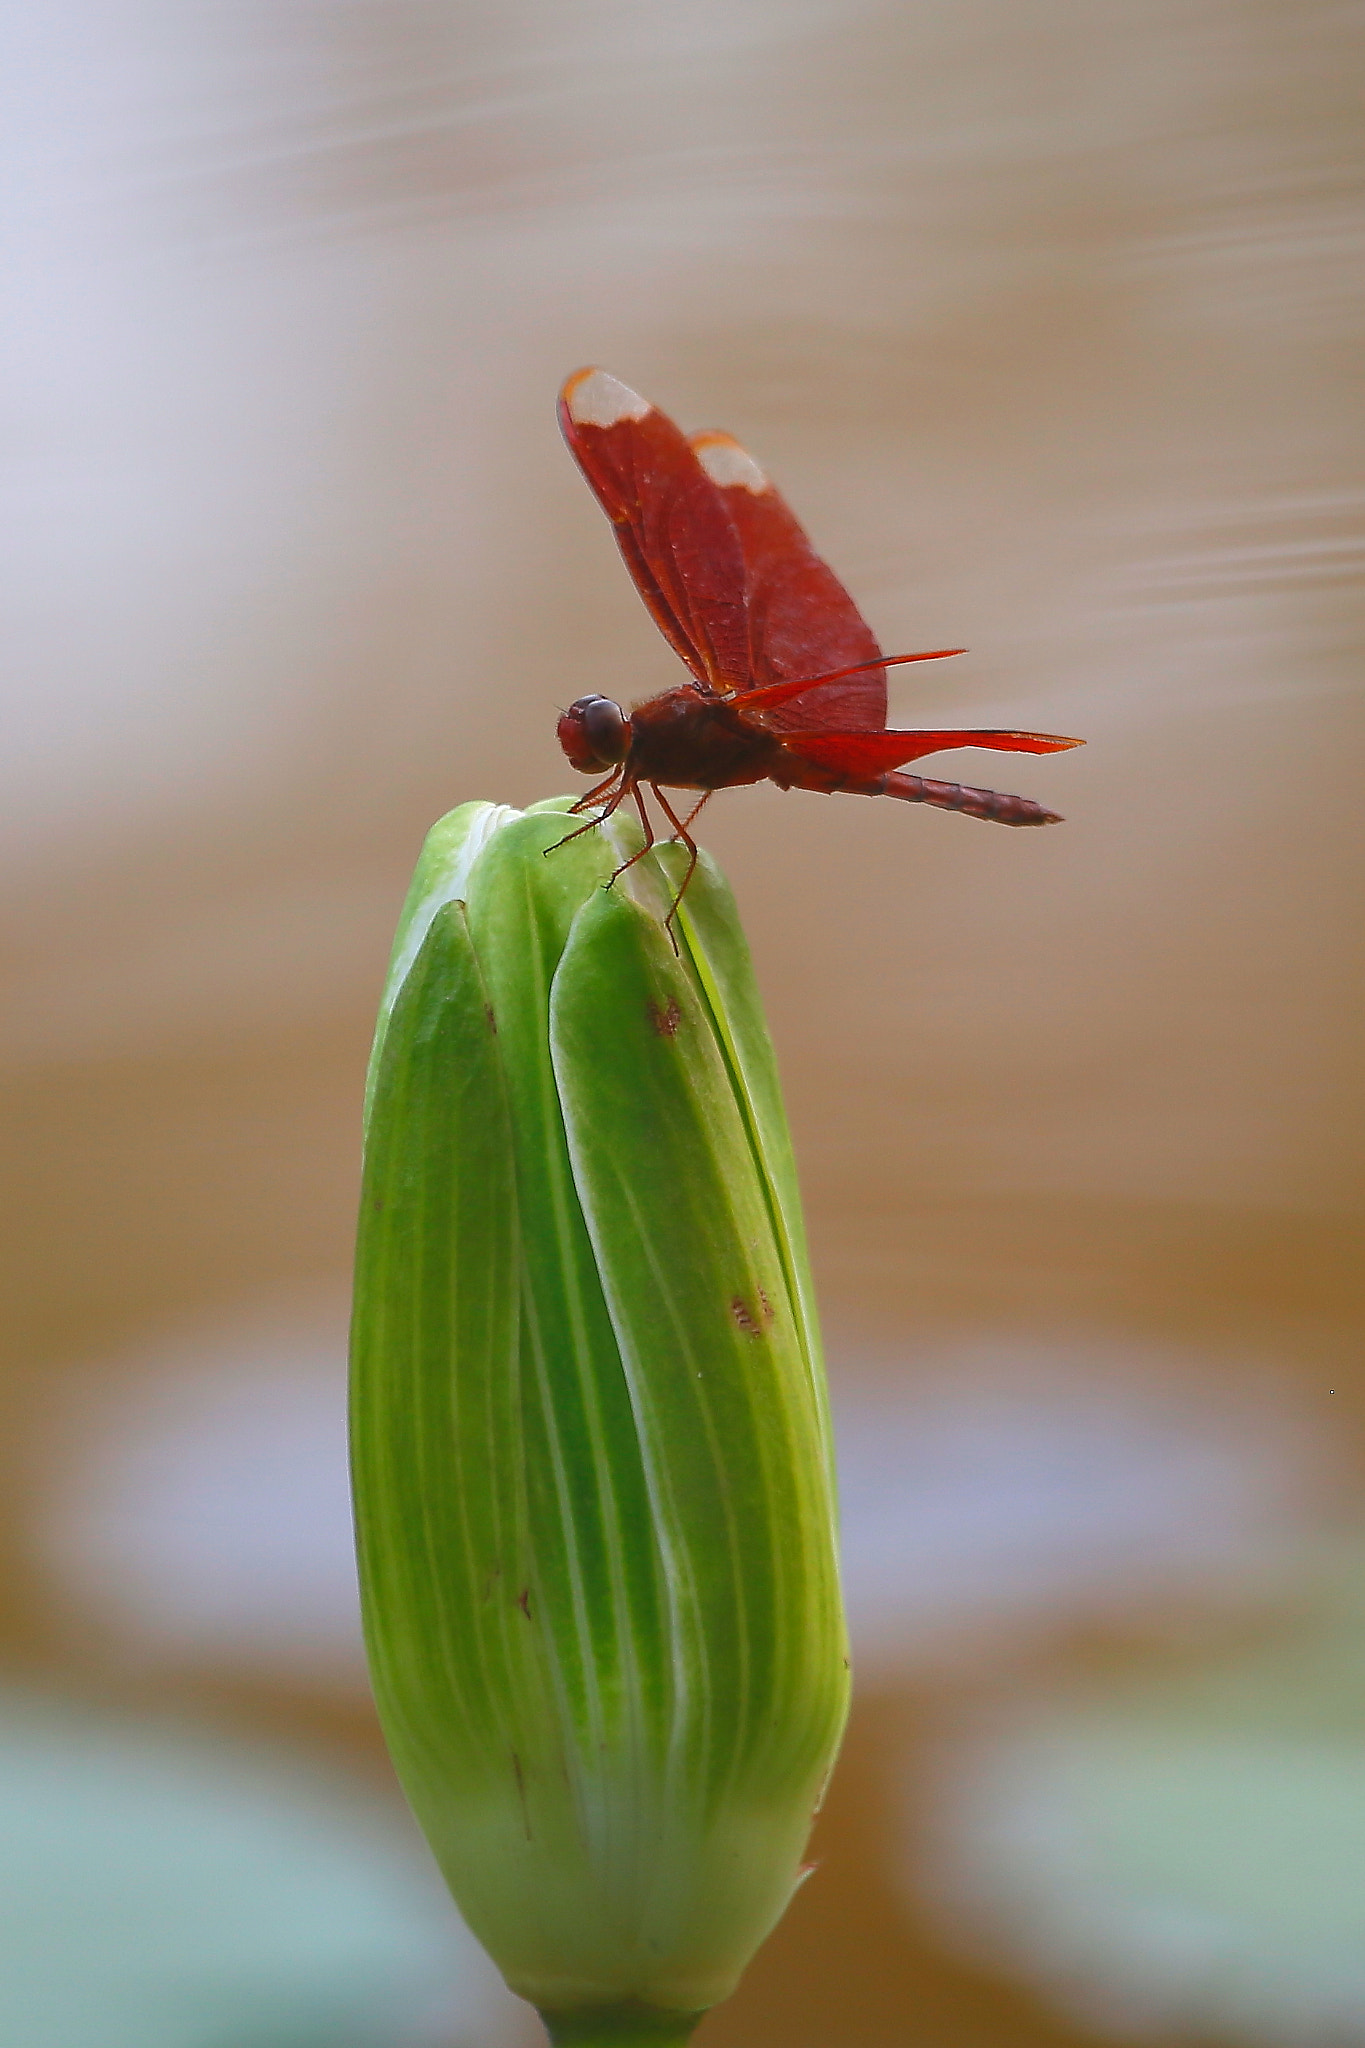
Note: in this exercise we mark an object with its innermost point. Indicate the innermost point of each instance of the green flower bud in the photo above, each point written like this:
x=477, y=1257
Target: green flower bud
x=590, y=1442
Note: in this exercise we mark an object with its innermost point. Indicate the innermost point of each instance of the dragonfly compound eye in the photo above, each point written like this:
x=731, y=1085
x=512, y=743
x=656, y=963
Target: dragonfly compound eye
x=594, y=733
x=607, y=729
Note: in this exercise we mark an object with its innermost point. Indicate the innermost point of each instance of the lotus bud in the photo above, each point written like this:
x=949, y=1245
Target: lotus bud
x=593, y=1479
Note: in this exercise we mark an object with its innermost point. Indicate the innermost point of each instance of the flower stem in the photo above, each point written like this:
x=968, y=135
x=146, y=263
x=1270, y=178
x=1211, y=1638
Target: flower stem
x=620, y=2026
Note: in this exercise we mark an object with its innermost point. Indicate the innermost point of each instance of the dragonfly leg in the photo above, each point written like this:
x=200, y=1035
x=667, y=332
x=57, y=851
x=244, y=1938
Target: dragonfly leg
x=590, y=796
x=686, y=825
x=680, y=830
x=638, y=795
x=608, y=807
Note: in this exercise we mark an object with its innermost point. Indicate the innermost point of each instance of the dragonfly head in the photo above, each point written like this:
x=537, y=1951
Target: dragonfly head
x=594, y=733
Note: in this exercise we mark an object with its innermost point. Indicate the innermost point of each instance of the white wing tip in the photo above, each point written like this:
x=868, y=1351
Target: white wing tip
x=729, y=465
x=594, y=398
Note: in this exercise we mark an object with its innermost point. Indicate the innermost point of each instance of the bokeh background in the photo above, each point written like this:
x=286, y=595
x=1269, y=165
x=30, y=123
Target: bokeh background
x=1048, y=320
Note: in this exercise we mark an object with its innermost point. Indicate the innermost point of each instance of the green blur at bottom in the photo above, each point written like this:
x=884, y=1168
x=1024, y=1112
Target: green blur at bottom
x=621, y=2026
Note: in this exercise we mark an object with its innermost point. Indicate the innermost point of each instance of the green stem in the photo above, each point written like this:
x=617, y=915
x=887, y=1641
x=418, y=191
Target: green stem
x=620, y=2026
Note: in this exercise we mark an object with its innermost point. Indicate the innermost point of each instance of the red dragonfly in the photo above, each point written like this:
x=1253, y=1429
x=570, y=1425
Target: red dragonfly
x=787, y=683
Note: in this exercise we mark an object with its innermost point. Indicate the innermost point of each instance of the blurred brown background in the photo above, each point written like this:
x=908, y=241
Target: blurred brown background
x=1048, y=322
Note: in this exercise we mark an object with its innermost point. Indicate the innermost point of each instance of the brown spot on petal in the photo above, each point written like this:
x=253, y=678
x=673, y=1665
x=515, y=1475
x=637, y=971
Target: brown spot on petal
x=745, y=1318
x=664, y=1018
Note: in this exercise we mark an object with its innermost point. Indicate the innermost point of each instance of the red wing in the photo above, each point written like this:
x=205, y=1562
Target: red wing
x=801, y=620
x=772, y=694
x=672, y=523
x=873, y=753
